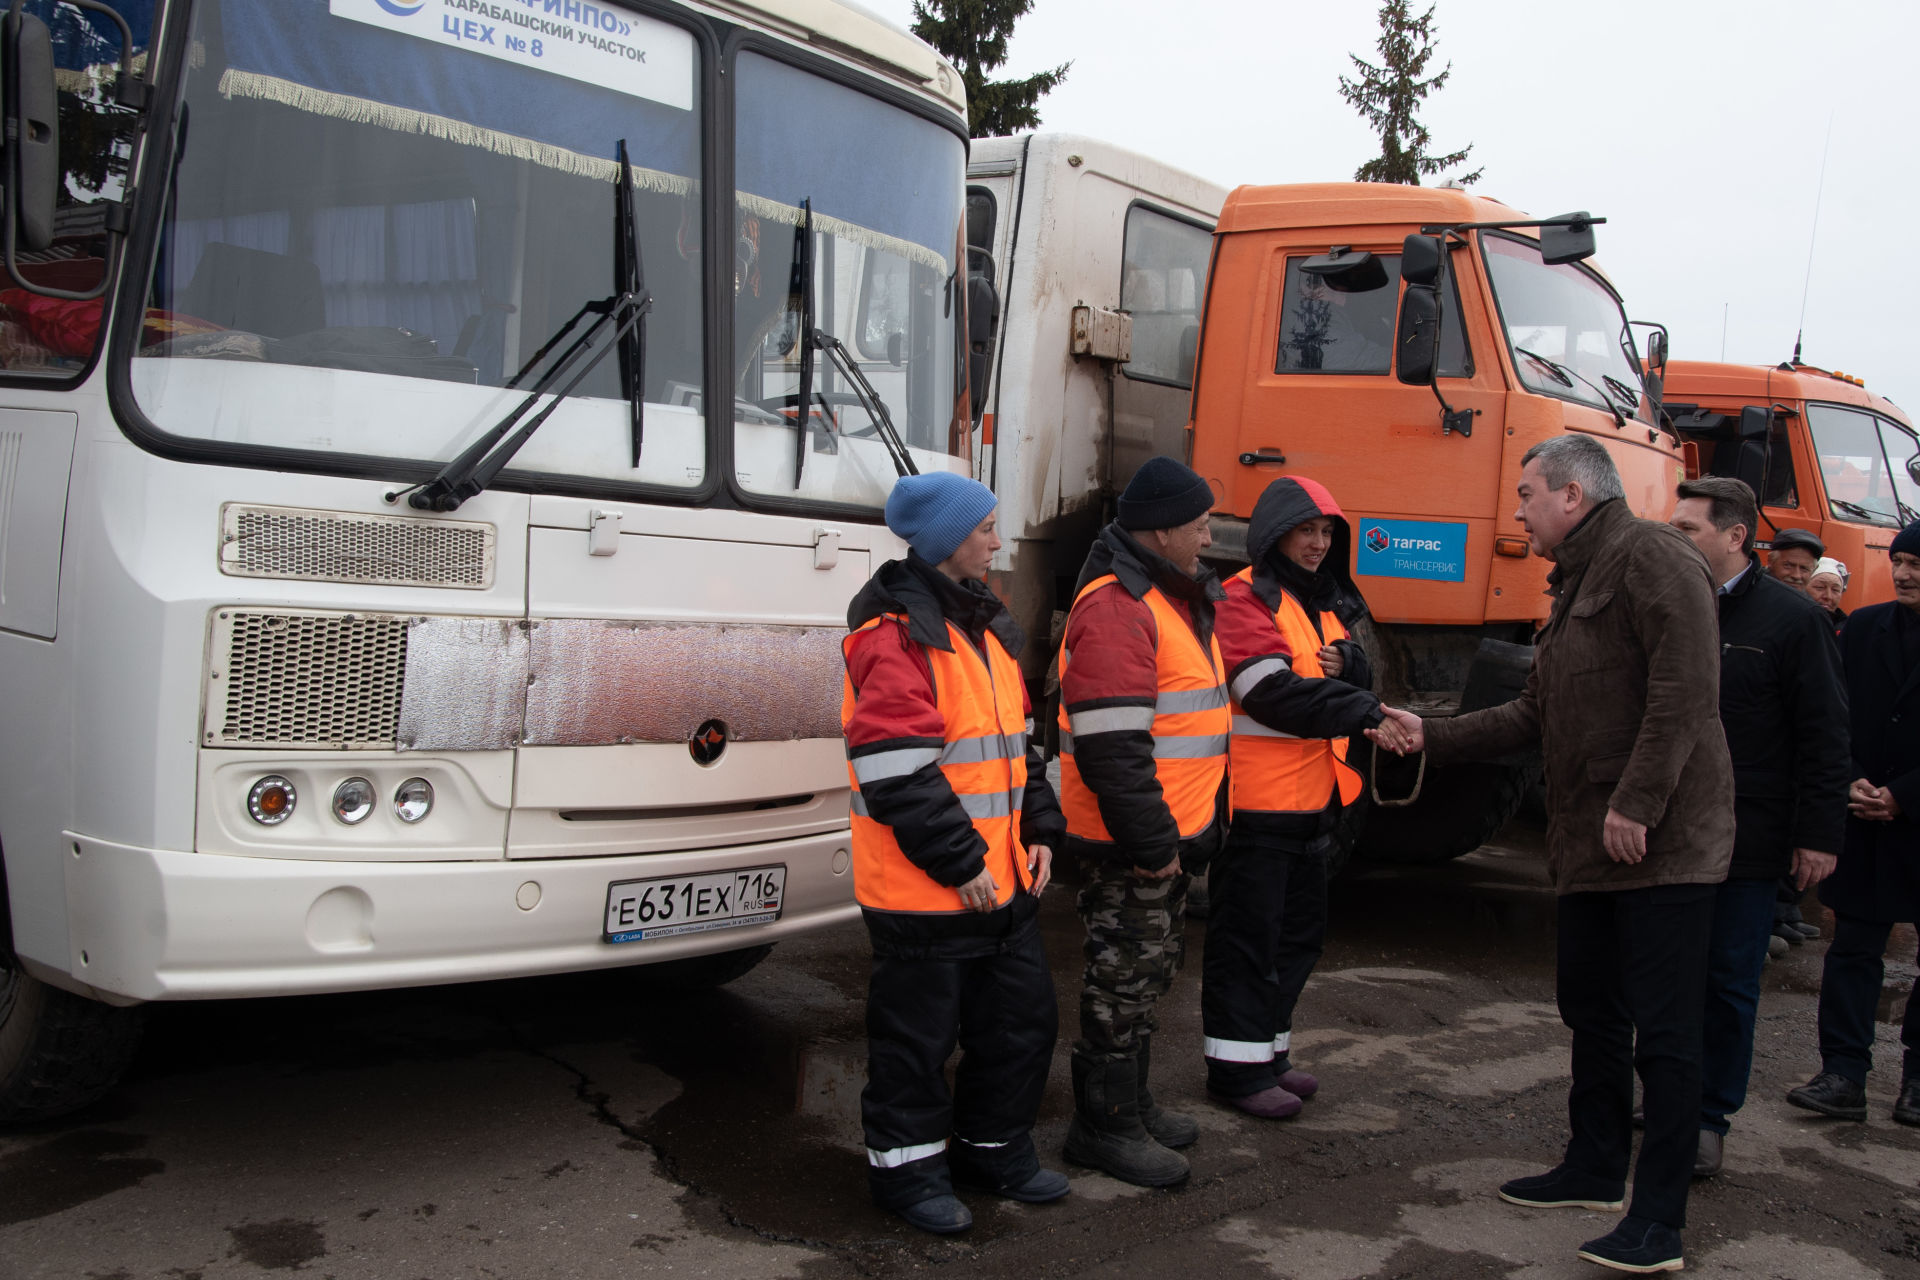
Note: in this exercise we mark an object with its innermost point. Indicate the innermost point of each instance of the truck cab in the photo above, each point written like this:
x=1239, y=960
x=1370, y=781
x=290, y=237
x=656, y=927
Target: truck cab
x=1824, y=454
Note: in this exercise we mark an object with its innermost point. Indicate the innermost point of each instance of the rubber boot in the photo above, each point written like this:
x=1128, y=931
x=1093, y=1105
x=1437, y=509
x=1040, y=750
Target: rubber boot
x=1106, y=1133
x=1171, y=1129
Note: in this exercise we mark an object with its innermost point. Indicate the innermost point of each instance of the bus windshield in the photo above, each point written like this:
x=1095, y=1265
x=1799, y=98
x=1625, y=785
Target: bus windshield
x=1565, y=328
x=373, y=226
x=884, y=281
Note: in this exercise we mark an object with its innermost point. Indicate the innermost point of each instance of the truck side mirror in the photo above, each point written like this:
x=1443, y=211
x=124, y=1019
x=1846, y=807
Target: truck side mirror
x=1569, y=239
x=983, y=326
x=1913, y=468
x=1756, y=420
x=1657, y=349
x=32, y=129
x=1416, y=338
x=1420, y=260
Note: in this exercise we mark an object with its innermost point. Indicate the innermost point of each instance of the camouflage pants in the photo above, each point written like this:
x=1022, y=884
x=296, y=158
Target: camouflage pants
x=1135, y=943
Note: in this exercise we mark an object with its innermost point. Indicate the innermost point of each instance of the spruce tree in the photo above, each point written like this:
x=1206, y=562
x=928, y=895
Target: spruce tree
x=973, y=35
x=1387, y=96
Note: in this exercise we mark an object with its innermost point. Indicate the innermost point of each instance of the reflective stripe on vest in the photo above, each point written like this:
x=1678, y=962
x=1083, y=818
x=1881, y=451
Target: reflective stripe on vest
x=983, y=758
x=1189, y=720
x=1276, y=772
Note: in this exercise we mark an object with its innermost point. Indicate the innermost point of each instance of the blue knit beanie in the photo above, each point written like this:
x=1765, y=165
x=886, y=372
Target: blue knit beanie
x=936, y=511
x=1907, y=540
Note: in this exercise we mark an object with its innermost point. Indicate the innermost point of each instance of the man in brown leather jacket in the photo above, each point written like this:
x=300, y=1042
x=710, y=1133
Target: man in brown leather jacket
x=1623, y=701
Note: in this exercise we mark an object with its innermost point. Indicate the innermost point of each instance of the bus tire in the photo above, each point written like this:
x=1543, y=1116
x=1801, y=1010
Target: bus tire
x=701, y=973
x=58, y=1051
x=1460, y=808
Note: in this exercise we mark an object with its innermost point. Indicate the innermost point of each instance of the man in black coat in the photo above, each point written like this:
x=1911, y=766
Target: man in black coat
x=1877, y=883
x=1784, y=707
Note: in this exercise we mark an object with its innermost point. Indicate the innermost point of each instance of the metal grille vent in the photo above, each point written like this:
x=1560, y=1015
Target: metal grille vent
x=334, y=546
x=306, y=680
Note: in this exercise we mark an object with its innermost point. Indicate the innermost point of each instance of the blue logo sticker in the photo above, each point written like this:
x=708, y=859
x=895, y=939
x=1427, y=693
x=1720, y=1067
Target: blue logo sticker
x=402, y=8
x=1430, y=549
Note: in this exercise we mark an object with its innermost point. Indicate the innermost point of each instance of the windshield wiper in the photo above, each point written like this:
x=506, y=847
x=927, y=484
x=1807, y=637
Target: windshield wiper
x=1865, y=513
x=800, y=300
x=476, y=466
x=630, y=279
x=1565, y=377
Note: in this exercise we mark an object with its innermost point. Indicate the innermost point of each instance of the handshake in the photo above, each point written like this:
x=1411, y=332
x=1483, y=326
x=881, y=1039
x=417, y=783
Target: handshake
x=1399, y=733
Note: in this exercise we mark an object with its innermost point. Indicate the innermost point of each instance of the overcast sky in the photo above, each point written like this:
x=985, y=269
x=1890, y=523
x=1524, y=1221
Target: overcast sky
x=1696, y=127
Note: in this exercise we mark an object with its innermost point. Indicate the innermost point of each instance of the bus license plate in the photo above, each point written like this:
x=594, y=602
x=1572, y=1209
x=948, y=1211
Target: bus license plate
x=643, y=909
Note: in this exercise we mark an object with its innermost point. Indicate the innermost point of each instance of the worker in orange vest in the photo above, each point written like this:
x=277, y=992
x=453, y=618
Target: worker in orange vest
x=1300, y=689
x=1143, y=757
x=953, y=830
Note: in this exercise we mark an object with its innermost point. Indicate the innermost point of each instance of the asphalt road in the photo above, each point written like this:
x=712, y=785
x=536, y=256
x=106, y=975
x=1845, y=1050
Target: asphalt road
x=582, y=1127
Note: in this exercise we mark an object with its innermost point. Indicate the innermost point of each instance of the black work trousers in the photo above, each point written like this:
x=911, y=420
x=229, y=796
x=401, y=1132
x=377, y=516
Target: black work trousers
x=1632, y=988
x=1850, y=984
x=1266, y=931
x=1000, y=1008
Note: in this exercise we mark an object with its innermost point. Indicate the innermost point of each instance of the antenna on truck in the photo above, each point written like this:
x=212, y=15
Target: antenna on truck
x=1812, y=238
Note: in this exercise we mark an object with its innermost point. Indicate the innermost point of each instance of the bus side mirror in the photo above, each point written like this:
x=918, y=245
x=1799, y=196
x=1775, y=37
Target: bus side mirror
x=983, y=326
x=32, y=129
x=1567, y=241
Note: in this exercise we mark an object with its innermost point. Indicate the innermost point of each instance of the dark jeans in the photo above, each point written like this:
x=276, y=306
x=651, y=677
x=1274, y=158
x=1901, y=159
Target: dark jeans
x=1002, y=1012
x=1266, y=932
x=1632, y=985
x=1849, y=993
x=1743, y=913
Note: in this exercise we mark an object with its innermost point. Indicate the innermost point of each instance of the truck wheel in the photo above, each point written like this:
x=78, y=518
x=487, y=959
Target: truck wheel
x=1460, y=808
x=700, y=973
x=58, y=1051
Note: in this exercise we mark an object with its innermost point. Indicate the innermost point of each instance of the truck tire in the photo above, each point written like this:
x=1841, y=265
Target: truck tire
x=58, y=1051
x=1460, y=808
x=700, y=973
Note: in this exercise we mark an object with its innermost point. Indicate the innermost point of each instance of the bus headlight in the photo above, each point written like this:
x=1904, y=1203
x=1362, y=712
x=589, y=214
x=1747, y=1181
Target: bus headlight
x=413, y=800
x=353, y=800
x=271, y=800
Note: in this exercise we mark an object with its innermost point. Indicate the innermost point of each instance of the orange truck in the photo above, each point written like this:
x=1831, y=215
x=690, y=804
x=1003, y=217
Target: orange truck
x=1405, y=346
x=1824, y=453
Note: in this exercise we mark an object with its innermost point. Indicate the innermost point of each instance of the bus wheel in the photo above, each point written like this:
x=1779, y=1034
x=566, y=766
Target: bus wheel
x=58, y=1051
x=701, y=973
x=1460, y=808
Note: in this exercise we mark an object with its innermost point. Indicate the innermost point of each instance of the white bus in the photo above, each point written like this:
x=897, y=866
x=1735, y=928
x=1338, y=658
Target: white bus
x=359, y=626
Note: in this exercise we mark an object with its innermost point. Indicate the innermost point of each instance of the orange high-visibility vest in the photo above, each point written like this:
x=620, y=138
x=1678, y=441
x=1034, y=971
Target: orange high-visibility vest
x=984, y=760
x=1189, y=720
x=1275, y=772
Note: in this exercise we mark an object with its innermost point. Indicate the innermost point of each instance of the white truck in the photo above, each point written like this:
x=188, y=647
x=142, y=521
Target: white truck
x=1100, y=256
x=360, y=626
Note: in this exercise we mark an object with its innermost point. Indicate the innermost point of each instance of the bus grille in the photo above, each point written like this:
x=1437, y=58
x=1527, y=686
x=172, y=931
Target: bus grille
x=339, y=546
x=305, y=680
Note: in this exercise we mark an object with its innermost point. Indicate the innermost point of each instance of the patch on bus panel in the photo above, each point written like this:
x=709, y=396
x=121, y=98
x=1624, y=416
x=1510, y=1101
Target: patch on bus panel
x=1430, y=549
x=600, y=682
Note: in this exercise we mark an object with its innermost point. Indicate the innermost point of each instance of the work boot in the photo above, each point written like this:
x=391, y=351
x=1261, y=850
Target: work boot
x=1297, y=1082
x=1171, y=1129
x=1906, y=1107
x=1788, y=934
x=941, y=1215
x=1106, y=1133
x=1831, y=1094
x=1712, y=1150
x=1271, y=1103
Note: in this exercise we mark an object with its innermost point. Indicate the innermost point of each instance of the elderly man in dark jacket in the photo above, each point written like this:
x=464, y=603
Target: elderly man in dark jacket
x=1877, y=883
x=1785, y=710
x=1623, y=701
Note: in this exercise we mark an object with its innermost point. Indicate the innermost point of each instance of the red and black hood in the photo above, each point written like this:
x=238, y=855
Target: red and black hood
x=1287, y=503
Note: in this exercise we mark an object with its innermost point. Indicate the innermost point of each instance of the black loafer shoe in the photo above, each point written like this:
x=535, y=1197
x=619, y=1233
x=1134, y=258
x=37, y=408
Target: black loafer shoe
x=1906, y=1108
x=1043, y=1187
x=1831, y=1094
x=1638, y=1245
x=1564, y=1188
x=942, y=1215
x=1713, y=1149
x=1788, y=934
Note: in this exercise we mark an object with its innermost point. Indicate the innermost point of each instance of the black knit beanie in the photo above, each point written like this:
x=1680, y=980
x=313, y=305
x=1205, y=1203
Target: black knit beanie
x=1907, y=540
x=1163, y=494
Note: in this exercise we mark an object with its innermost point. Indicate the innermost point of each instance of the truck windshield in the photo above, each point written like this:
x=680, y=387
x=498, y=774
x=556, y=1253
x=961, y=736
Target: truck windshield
x=1564, y=327
x=884, y=280
x=376, y=220
x=1863, y=466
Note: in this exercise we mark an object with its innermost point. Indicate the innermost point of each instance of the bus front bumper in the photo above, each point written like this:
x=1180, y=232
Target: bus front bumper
x=154, y=924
